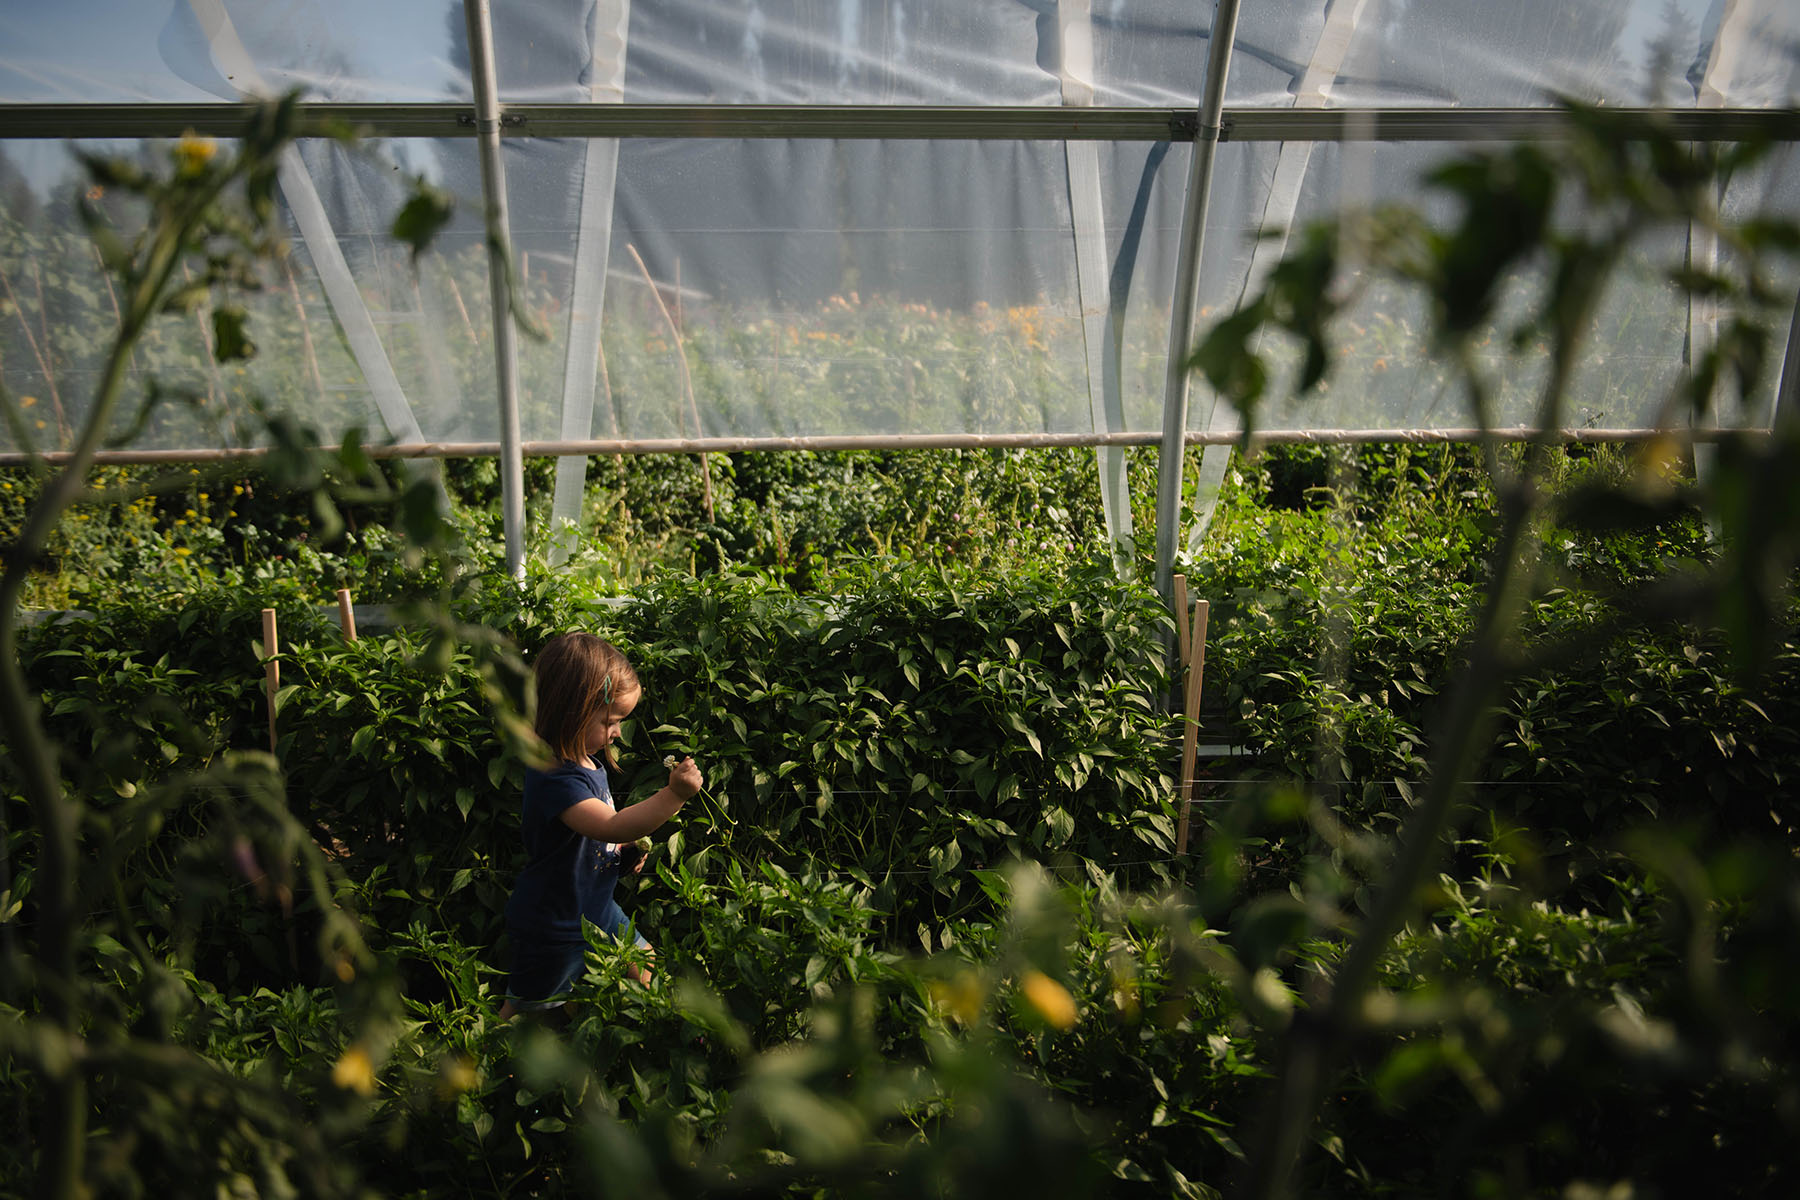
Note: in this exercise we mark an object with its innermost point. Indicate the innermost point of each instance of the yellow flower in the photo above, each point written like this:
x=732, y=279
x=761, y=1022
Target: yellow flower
x=456, y=1074
x=1660, y=458
x=1050, y=998
x=192, y=153
x=959, y=998
x=354, y=1072
x=27, y=401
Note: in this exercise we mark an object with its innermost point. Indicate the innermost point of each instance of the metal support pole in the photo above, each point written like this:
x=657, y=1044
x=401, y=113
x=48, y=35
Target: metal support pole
x=1187, y=278
x=506, y=348
x=964, y=123
x=1312, y=88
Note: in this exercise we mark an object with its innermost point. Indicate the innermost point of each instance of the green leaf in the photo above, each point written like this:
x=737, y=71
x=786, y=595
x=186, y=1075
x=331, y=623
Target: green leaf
x=1126, y=1169
x=423, y=217
x=944, y=859
x=230, y=341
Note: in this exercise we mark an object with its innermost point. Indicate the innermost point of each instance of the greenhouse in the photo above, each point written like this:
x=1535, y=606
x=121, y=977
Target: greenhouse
x=1025, y=172
x=1228, y=567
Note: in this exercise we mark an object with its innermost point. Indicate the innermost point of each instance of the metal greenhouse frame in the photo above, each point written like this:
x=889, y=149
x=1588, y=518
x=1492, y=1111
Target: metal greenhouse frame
x=604, y=118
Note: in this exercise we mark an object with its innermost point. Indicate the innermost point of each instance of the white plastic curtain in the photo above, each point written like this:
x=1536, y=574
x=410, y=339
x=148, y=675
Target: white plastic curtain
x=825, y=286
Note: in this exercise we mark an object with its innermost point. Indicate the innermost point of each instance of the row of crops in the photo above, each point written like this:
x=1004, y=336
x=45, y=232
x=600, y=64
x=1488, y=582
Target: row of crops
x=926, y=927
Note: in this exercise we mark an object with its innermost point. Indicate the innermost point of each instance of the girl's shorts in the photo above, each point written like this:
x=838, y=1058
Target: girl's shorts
x=543, y=973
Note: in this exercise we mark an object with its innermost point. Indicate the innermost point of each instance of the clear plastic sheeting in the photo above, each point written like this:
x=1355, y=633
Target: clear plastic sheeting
x=1774, y=190
x=327, y=341
x=793, y=287
x=850, y=287
x=812, y=288
x=1475, y=53
x=1384, y=375
x=1462, y=53
x=123, y=51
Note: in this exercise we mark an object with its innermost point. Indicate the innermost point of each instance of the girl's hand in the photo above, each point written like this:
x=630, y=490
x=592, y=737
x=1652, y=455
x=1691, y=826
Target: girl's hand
x=639, y=854
x=684, y=777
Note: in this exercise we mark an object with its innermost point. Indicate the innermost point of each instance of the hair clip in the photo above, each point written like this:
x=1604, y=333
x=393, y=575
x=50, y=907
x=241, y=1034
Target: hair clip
x=606, y=688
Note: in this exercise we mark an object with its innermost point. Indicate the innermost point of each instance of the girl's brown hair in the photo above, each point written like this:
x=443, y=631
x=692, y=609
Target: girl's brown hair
x=578, y=674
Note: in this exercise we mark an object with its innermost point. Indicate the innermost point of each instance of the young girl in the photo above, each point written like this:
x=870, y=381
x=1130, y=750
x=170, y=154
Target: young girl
x=585, y=688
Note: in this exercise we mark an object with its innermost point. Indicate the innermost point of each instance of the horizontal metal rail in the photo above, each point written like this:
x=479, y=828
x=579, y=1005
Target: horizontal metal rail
x=1491, y=124
x=899, y=122
x=915, y=441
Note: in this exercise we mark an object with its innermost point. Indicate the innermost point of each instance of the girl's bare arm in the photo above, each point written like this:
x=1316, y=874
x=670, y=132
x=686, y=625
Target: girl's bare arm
x=595, y=818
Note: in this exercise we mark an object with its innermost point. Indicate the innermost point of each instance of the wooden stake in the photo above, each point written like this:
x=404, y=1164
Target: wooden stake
x=346, y=614
x=612, y=402
x=202, y=312
x=113, y=295
x=271, y=669
x=1196, y=669
x=306, y=338
x=1181, y=618
x=62, y=425
x=38, y=352
x=456, y=294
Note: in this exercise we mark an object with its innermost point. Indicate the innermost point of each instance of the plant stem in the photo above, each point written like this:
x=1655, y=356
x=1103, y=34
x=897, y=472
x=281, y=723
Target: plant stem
x=58, y=814
x=1317, y=1039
